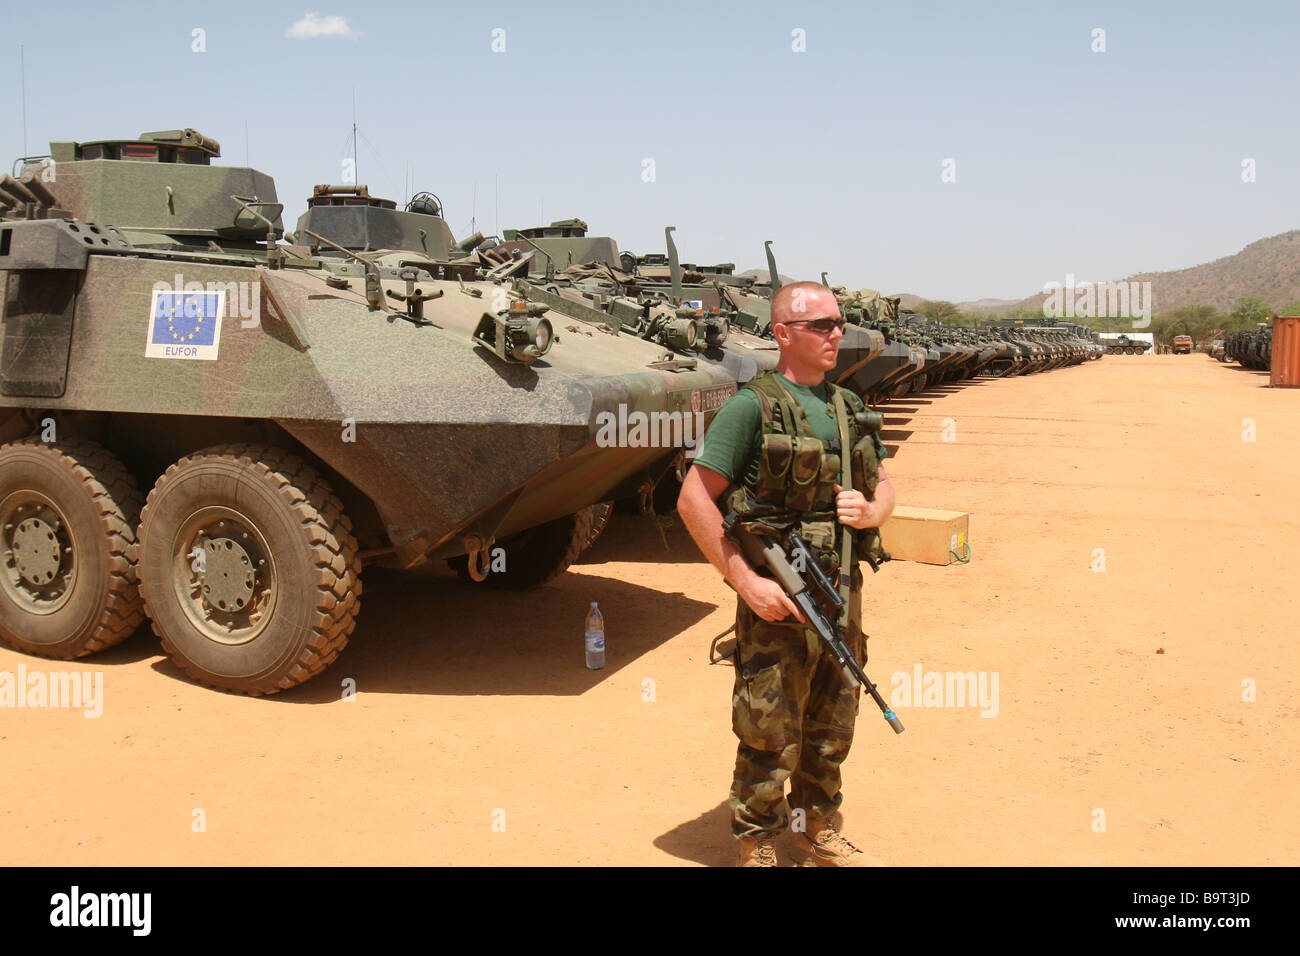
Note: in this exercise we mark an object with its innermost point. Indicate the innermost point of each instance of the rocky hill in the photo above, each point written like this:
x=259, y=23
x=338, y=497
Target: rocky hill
x=1269, y=268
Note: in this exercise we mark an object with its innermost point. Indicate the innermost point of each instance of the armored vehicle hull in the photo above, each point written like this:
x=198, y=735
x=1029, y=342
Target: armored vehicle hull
x=291, y=417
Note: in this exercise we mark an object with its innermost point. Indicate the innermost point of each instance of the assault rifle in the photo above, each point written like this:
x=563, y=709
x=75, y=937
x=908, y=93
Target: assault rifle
x=796, y=569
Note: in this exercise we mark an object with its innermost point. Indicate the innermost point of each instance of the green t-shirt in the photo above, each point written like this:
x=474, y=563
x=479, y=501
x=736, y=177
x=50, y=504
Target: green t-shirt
x=730, y=445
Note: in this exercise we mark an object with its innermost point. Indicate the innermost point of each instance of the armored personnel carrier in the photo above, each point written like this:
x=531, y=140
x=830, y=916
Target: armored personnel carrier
x=1123, y=345
x=737, y=308
x=876, y=378
x=218, y=430
x=688, y=321
x=703, y=313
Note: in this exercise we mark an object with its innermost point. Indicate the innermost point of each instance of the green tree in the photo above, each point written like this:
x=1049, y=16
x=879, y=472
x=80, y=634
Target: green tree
x=1025, y=314
x=1291, y=308
x=938, y=310
x=1198, y=321
x=1251, y=309
x=1162, y=326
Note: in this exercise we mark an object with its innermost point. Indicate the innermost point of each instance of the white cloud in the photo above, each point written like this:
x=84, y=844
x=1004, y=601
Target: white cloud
x=314, y=25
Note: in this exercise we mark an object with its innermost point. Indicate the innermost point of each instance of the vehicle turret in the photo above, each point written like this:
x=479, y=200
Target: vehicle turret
x=162, y=183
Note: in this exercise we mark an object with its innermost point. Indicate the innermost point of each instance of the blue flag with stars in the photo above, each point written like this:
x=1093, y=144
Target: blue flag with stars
x=185, y=318
x=185, y=325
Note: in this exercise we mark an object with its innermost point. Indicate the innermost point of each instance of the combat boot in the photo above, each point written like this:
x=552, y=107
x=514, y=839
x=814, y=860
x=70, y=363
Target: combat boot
x=757, y=851
x=824, y=845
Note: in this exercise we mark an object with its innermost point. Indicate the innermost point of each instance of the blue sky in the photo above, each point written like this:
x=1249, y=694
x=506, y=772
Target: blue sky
x=1099, y=164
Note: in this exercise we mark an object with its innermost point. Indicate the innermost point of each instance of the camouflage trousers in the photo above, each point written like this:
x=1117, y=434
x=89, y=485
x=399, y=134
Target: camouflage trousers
x=794, y=716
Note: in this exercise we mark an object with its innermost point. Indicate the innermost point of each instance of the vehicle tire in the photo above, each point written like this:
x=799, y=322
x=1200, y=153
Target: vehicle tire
x=67, y=529
x=537, y=555
x=273, y=598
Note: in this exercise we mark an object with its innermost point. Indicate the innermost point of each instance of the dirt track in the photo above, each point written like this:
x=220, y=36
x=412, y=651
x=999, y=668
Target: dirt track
x=469, y=704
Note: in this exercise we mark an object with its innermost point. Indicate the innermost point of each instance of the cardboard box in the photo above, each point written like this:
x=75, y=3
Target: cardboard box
x=927, y=535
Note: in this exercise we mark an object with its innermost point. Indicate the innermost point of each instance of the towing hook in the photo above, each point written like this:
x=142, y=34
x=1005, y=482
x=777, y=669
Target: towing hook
x=478, y=551
x=480, y=562
x=681, y=466
x=645, y=499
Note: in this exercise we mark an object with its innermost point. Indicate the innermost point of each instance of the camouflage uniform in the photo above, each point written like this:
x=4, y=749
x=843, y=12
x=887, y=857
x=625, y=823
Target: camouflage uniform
x=791, y=710
x=794, y=716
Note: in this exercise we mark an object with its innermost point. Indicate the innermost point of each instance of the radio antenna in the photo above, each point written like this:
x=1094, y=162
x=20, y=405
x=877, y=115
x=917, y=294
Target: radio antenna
x=22, y=59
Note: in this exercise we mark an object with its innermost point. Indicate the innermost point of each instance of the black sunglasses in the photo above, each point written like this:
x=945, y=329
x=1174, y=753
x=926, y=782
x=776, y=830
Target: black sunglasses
x=824, y=326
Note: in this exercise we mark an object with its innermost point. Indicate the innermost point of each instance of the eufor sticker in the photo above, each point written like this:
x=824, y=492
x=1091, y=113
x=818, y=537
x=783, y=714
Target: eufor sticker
x=185, y=325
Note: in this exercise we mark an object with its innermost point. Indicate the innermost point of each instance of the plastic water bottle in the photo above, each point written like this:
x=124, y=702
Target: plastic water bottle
x=595, y=639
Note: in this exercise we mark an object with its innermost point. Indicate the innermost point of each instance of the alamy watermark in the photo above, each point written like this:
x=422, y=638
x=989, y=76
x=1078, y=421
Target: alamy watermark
x=77, y=908
x=945, y=689
x=1098, y=300
x=636, y=429
x=77, y=690
x=243, y=299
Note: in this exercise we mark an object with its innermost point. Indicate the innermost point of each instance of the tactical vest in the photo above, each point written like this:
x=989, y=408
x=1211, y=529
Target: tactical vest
x=797, y=473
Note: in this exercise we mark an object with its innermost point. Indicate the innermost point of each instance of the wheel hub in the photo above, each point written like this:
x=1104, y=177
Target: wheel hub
x=36, y=551
x=224, y=575
x=38, y=569
x=228, y=578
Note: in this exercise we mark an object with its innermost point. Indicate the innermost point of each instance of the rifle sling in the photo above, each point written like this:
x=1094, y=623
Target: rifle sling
x=846, y=483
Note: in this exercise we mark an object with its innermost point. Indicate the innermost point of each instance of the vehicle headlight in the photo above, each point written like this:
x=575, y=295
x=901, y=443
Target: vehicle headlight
x=681, y=333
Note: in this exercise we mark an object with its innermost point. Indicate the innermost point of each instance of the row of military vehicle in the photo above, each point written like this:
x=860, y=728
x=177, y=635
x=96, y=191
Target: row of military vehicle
x=217, y=429
x=1252, y=348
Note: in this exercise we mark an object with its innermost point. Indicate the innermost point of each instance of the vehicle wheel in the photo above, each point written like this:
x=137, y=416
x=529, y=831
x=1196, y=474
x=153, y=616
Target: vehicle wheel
x=67, y=529
x=537, y=555
x=248, y=568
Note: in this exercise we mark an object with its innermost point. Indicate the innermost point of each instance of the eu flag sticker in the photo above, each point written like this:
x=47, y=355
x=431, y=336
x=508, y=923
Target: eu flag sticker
x=185, y=325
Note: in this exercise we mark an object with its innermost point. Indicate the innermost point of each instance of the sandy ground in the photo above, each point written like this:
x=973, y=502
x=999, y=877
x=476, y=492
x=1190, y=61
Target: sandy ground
x=477, y=737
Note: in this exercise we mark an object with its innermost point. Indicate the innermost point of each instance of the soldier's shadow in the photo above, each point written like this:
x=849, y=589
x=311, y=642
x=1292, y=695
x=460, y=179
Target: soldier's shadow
x=707, y=840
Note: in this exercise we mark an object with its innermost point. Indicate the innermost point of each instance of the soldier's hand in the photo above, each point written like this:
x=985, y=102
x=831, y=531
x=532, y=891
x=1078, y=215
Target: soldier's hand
x=769, y=601
x=853, y=509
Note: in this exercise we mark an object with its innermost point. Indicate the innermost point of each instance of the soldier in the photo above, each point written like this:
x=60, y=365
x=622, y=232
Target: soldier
x=790, y=707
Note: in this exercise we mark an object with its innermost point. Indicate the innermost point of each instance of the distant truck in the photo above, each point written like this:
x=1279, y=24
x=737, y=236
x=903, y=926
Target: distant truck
x=1182, y=345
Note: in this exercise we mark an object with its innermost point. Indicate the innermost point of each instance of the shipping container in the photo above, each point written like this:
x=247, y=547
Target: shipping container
x=1285, y=368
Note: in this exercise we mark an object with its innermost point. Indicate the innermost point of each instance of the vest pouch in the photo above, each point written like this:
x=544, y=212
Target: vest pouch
x=826, y=483
x=774, y=462
x=805, y=473
x=869, y=420
x=866, y=467
x=820, y=536
x=868, y=546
